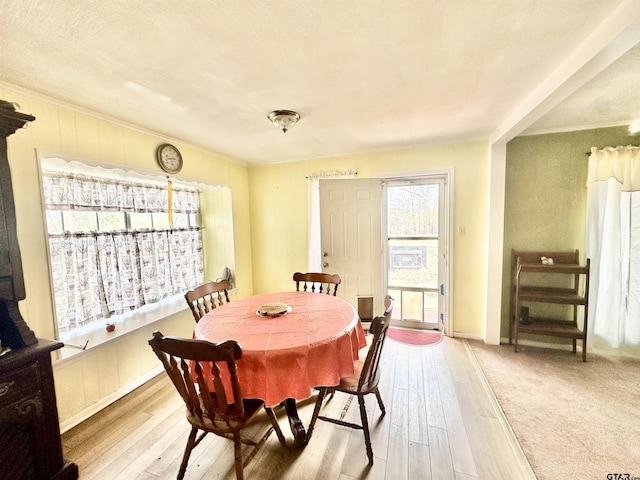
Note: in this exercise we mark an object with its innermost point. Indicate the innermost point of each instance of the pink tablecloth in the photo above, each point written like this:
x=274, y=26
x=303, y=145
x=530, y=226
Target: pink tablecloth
x=315, y=344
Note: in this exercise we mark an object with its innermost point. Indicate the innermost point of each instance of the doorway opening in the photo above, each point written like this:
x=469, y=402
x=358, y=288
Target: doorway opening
x=416, y=211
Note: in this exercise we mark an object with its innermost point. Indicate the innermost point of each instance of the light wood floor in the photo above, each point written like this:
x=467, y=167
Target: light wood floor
x=441, y=423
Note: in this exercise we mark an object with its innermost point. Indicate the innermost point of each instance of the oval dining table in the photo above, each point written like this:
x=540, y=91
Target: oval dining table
x=284, y=357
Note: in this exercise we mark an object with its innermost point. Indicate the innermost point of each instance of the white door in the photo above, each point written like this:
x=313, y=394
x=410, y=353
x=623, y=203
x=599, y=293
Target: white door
x=351, y=237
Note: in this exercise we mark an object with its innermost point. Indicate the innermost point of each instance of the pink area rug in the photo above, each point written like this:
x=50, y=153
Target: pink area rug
x=414, y=337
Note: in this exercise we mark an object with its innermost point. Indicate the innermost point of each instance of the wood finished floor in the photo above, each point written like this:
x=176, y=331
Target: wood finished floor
x=441, y=423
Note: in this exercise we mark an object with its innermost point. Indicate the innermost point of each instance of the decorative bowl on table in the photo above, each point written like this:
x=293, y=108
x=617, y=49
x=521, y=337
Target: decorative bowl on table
x=273, y=309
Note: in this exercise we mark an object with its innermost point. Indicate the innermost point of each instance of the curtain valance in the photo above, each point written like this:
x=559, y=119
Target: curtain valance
x=332, y=175
x=620, y=163
x=66, y=191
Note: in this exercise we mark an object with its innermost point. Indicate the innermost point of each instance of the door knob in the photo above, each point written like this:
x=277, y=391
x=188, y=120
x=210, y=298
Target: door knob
x=325, y=264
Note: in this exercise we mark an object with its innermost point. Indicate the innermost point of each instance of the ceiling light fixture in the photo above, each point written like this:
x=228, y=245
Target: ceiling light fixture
x=283, y=119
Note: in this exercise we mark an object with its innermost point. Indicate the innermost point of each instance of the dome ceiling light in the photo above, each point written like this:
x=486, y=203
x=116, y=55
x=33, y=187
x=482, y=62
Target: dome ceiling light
x=284, y=119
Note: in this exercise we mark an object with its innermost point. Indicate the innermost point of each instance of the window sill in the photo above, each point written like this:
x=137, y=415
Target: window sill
x=81, y=340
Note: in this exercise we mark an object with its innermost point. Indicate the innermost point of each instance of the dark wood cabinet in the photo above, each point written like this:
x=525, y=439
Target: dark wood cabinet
x=30, y=445
x=14, y=332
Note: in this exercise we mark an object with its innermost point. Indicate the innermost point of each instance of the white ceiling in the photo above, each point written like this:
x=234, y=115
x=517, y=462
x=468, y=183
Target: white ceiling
x=364, y=75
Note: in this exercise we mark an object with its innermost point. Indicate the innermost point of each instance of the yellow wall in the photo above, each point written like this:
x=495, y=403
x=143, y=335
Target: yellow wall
x=279, y=217
x=216, y=219
x=546, y=195
x=269, y=220
x=98, y=373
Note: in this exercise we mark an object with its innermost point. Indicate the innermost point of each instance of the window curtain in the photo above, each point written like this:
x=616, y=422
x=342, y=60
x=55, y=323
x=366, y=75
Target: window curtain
x=100, y=274
x=77, y=287
x=613, y=245
x=313, y=180
x=104, y=274
x=118, y=269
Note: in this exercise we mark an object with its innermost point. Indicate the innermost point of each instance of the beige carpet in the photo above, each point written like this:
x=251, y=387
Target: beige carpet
x=574, y=420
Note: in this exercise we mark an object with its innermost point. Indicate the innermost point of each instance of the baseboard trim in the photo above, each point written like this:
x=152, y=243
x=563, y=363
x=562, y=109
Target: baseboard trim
x=109, y=399
x=470, y=336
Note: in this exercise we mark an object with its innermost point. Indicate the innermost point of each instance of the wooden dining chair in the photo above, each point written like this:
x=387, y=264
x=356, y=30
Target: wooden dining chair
x=206, y=297
x=363, y=382
x=191, y=364
x=322, y=282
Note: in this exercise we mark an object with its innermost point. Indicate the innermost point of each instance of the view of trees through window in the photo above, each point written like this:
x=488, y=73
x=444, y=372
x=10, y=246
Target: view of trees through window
x=413, y=210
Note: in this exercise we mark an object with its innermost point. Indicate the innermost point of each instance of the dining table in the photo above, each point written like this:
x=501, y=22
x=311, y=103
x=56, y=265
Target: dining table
x=291, y=343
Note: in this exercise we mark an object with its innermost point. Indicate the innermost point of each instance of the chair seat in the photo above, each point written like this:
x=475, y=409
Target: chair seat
x=219, y=425
x=350, y=384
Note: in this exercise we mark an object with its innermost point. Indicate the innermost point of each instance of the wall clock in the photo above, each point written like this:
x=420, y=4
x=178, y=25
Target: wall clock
x=169, y=158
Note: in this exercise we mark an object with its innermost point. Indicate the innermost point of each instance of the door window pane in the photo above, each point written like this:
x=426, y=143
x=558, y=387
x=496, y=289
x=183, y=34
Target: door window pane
x=413, y=210
x=412, y=306
x=431, y=307
x=413, y=263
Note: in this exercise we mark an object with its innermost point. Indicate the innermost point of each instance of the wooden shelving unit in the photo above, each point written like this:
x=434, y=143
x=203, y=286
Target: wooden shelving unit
x=524, y=292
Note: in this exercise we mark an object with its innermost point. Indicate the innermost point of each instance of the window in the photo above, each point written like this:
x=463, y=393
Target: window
x=117, y=242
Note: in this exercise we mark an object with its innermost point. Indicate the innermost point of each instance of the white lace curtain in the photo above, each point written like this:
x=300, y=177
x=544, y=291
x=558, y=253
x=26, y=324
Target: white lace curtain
x=313, y=180
x=613, y=245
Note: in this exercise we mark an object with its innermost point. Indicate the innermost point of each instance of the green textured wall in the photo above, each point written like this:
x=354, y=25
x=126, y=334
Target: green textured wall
x=545, y=197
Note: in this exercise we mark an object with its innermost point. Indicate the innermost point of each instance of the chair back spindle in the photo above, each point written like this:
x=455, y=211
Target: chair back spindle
x=206, y=297
x=322, y=282
x=186, y=362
